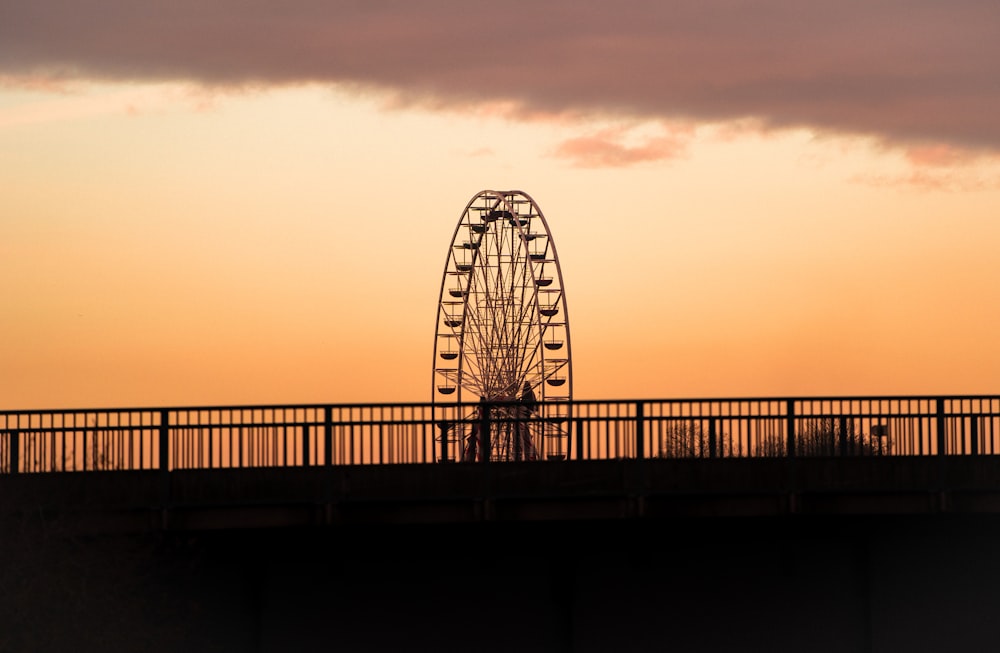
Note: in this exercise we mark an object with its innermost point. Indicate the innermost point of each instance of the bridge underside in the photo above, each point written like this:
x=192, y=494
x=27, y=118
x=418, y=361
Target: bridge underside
x=129, y=501
x=775, y=555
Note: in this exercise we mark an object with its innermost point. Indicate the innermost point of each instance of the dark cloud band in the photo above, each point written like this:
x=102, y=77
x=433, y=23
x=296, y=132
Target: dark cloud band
x=907, y=72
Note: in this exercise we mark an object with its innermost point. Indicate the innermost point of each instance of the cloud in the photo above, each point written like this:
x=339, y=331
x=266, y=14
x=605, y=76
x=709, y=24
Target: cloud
x=930, y=180
x=938, y=156
x=480, y=152
x=75, y=104
x=612, y=148
x=941, y=168
x=909, y=72
x=37, y=83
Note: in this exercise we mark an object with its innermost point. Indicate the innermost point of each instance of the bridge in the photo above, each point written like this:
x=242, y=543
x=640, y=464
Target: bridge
x=202, y=466
x=837, y=523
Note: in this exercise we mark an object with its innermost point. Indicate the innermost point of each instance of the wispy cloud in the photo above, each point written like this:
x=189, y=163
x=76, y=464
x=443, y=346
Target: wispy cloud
x=42, y=83
x=480, y=152
x=950, y=181
x=910, y=73
x=74, y=103
x=941, y=156
x=615, y=147
x=941, y=168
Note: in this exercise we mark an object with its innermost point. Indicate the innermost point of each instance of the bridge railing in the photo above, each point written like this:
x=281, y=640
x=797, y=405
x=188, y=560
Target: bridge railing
x=755, y=428
x=318, y=435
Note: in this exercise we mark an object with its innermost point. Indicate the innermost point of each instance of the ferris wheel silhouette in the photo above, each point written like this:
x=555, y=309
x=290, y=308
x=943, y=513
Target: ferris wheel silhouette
x=502, y=333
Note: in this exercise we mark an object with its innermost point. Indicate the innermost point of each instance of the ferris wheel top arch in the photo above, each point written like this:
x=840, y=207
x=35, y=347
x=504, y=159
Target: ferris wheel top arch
x=502, y=315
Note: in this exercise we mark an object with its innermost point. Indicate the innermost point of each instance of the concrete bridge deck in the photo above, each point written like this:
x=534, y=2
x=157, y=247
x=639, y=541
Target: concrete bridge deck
x=458, y=493
x=879, y=554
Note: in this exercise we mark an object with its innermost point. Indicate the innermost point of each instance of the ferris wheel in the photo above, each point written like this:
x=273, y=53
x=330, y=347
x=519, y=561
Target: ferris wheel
x=502, y=331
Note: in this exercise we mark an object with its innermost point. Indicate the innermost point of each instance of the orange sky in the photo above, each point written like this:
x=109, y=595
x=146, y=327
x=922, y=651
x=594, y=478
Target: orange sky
x=173, y=232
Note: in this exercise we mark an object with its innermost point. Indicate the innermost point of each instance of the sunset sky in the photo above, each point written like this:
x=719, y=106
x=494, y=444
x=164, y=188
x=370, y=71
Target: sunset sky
x=251, y=202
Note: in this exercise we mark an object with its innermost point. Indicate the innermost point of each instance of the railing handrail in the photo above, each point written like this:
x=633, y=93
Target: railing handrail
x=424, y=404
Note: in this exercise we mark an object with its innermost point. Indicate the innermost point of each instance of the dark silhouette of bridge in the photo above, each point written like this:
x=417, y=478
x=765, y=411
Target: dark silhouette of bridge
x=820, y=524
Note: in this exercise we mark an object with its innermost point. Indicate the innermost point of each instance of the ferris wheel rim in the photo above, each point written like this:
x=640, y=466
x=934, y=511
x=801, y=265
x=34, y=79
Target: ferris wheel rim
x=450, y=381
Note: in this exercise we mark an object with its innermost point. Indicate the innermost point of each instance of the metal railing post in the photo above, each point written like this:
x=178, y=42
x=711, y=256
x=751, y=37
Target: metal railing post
x=485, y=447
x=940, y=427
x=578, y=425
x=790, y=428
x=164, y=441
x=306, y=433
x=640, y=431
x=164, y=452
x=712, y=436
x=14, y=442
x=327, y=436
x=445, y=428
x=86, y=449
x=973, y=435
